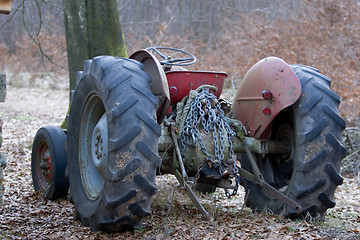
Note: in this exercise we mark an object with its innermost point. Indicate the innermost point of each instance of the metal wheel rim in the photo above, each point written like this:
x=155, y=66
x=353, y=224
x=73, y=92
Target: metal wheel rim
x=92, y=166
x=43, y=166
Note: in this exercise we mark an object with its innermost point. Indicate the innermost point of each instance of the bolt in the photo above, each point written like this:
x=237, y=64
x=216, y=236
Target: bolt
x=231, y=161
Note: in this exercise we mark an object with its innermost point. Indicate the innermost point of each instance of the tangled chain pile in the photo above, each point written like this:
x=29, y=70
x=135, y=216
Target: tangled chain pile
x=203, y=112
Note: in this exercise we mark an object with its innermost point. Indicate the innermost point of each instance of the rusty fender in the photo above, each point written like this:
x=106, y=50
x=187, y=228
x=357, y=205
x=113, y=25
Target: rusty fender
x=267, y=88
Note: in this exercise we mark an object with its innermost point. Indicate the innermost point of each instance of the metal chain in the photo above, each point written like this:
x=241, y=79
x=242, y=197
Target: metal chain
x=197, y=176
x=205, y=113
x=237, y=180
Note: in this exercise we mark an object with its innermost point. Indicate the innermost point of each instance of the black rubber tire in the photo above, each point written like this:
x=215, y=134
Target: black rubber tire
x=123, y=94
x=311, y=174
x=49, y=140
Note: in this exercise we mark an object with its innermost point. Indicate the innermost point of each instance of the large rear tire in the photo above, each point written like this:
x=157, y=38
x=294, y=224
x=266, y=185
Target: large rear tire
x=112, y=144
x=310, y=174
x=48, y=162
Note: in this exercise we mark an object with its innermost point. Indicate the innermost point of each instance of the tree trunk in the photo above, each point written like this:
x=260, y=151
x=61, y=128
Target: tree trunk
x=92, y=28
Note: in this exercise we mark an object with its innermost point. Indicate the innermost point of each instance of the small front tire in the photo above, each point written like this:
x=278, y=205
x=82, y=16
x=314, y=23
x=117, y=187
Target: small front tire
x=48, y=162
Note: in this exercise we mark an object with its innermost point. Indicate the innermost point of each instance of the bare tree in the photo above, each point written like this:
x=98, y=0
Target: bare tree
x=92, y=28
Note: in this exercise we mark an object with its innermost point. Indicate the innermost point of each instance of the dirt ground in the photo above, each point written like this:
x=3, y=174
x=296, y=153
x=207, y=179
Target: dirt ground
x=25, y=214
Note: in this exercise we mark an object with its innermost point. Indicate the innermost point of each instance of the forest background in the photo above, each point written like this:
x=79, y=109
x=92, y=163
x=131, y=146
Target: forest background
x=224, y=35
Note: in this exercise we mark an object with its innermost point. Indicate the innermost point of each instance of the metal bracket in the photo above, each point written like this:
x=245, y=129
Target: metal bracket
x=271, y=191
x=178, y=154
x=264, y=186
x=182, y=177
x=257, y=174
x=192, y=196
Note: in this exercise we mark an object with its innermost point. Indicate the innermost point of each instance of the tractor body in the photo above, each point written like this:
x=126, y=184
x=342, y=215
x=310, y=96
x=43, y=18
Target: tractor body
x=269, y=87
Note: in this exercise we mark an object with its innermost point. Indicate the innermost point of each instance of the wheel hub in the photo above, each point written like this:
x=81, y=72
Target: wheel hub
x=45, y=163
x=99, y=147
x=284, y=163
x=286, y=134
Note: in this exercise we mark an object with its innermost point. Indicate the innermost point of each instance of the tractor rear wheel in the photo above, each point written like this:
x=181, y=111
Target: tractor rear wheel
x=48, y=162
x=310, y=174
x=112, y=144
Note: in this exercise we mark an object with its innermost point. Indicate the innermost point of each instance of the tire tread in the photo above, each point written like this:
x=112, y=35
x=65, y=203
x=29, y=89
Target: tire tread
x=133, y=133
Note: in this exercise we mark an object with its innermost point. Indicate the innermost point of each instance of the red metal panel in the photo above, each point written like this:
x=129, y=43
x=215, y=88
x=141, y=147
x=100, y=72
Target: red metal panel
x=182, y=82
x=252, y=104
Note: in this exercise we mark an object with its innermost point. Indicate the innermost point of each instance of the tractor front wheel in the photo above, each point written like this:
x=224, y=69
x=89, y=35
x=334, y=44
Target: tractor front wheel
x=112, y=144
x=48, y=162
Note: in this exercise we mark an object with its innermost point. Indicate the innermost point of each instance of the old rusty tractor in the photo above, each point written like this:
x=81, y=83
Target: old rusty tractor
x=131, y=119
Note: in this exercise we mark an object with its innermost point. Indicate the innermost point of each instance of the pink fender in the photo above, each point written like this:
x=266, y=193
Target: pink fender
x=267, y=88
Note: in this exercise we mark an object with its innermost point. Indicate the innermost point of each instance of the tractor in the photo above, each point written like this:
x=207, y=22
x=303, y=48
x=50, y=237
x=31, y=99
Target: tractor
x=131, y=119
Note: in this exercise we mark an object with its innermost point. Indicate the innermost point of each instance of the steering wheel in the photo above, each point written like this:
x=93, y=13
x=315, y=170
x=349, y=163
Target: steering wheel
x=173, y=61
